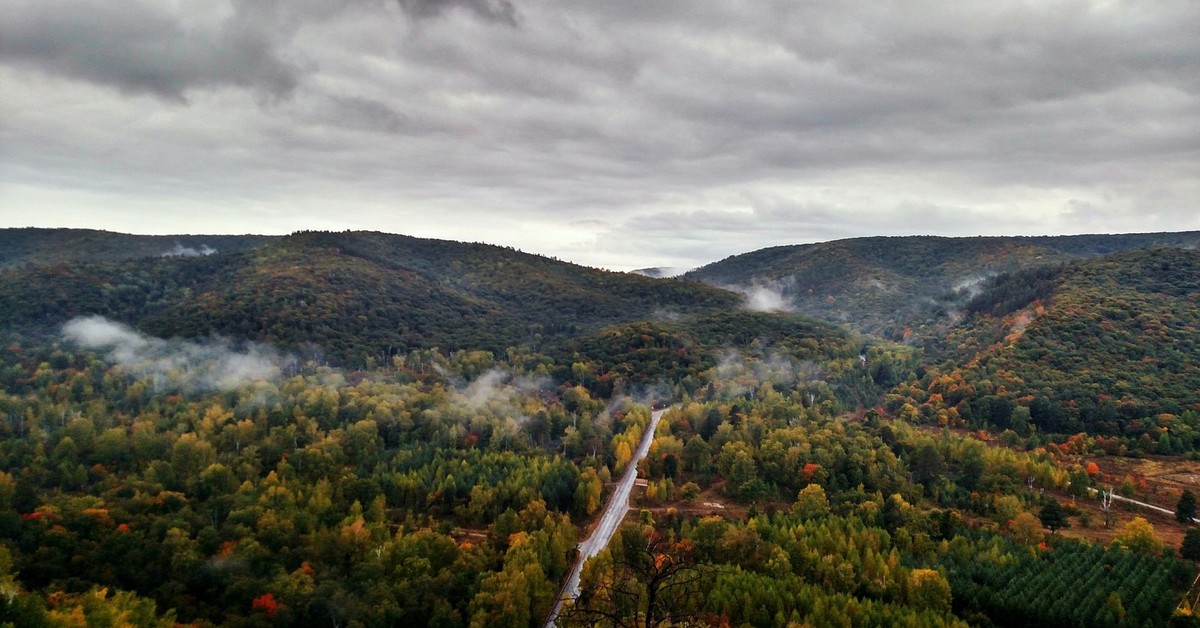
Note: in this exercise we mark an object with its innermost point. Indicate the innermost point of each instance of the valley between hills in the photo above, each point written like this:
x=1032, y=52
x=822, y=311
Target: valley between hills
x=367, y=429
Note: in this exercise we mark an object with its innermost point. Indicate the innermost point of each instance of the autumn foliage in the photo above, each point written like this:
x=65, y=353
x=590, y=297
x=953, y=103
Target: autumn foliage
x=265, y=603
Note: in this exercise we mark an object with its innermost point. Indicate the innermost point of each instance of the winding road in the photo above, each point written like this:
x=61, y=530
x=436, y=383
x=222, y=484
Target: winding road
x=614, y=512
x=1142, y=504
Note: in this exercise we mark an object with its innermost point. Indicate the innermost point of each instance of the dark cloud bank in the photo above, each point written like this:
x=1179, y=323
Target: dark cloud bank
x=624, y=135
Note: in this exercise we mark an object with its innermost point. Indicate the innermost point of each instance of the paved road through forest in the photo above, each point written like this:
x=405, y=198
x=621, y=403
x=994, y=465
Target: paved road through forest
x=1142, y=504
x=614, y=513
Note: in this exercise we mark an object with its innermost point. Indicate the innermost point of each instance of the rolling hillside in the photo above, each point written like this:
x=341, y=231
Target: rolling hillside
x=34, y=246
x=1107, y=346
x=352, y=296
x=898, y=286
x=682, y=351
x=218, y=484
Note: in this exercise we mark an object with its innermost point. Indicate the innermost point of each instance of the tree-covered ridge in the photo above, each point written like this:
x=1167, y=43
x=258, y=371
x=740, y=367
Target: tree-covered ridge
x=34, y=246
x=1106, y=346
x=895, y=286
x=693, y=353
x=354, y=296
x=449, y=487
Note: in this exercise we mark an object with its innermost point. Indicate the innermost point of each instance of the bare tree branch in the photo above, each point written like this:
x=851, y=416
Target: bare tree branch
x=650, y=582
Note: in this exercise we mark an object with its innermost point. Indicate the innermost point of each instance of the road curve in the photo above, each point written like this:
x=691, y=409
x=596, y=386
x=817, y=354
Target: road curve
x=1142, y=504
x=614, y=513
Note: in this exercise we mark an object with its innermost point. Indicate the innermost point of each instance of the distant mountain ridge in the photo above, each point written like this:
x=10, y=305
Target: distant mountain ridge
x=354, y=295
x=891, y=285
x=368, y=293
x=34, y=245
x=660, y=272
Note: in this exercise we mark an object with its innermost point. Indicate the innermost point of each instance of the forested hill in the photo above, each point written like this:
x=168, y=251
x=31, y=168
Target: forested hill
x=161, y=483
x=354, y=296
x=884, y=285
x=32, y=246
x=1106, y=346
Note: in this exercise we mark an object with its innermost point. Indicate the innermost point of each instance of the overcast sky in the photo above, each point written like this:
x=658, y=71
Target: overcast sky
x=615, y=134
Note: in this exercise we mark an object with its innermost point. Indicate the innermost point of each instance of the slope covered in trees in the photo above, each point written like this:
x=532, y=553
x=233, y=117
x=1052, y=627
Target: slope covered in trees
x=34, y=246
x=893, y=286
x=353, y=296
x=1107, y=346
x=713, y=354
x=445, y=489
x=218, y=482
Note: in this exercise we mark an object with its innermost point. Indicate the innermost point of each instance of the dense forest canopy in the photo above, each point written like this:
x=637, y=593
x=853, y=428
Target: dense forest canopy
x=1107, y=347
x=361, y=429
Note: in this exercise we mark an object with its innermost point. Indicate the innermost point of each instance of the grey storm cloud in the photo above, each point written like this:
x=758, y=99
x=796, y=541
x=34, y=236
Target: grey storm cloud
x=144, y=47
x=495, y=10
x=617, y=134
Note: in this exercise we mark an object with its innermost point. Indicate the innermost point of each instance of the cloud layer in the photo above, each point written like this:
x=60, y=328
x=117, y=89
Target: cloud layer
x=176, y=364
x=665, y=133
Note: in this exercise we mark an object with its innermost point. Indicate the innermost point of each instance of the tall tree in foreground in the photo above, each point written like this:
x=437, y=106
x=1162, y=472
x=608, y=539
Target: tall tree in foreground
x=1053, y=516
x=1138, y=536
x=1106, y=497
x=647, y=579
x=1190, y=549
x=1026, y=529
x=1185, y=510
